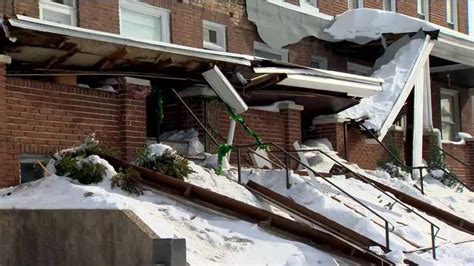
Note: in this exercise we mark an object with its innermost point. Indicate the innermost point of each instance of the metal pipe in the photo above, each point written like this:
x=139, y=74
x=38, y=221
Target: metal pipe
x=433, y=243
x=239, y=174
x=195, y=117
x=421, y=181
x=287, y=172
x=387, y=237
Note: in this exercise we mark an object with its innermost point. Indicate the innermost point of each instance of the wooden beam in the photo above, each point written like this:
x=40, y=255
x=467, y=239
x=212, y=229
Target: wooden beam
x=106, y=62
x=56, y=60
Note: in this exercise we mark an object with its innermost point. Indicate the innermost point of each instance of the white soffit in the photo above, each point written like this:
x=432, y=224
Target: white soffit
x=34, y=24
x=221, y=85
x=352, y=88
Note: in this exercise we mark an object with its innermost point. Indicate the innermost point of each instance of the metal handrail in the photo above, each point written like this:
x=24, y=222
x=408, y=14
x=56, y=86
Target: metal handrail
x=411, y=168
x=452, y=156
x=368, y=181
x=290, y=156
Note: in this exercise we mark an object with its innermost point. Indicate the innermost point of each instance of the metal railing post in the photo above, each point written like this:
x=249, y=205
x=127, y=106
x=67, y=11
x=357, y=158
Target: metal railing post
x=421, y=181
x=239, y=167
x=287, y=172
x=433, y=241
x=387, y=236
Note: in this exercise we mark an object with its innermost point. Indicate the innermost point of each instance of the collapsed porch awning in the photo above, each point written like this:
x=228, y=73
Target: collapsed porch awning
x=40, y=48
x=325, y=80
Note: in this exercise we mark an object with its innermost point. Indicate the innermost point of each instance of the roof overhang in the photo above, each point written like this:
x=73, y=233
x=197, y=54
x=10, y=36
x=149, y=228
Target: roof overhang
x=40, y=44
x=38, y=47
x=324, y=80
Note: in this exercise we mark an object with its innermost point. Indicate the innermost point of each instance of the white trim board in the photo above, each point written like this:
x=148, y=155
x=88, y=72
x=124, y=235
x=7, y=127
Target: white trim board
x=415, y=72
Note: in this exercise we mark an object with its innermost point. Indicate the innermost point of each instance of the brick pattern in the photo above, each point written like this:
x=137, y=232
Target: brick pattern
x=359, y=151
x=38, y=117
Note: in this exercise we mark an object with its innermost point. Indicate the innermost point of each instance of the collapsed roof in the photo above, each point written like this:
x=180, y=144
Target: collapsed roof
x=41, y=48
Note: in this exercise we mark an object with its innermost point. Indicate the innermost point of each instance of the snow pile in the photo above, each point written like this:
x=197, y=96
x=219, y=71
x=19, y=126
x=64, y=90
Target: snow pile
x=395, y=74
x=211, y=239
x=315, y=159
x=363, y=25
x=460, y=139
x=274, y=107
x=184, y=141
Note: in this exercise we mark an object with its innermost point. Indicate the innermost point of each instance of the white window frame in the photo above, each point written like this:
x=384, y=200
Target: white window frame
x=456, y=110
x=149, y=10
x=60, y=8
x=323, y=62
x=265, y=48
x=359, y=69
x=360, y=4
x=392, y=6
x=309, y=4
x=423, y=4
x=454, y=19
x=220, y=30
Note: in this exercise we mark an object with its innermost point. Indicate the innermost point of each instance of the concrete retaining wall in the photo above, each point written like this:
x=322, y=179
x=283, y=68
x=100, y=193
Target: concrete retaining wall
x=83, y=237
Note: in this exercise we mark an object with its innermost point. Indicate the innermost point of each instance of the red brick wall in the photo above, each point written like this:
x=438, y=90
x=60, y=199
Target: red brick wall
x=366, y=155
x=43, y=117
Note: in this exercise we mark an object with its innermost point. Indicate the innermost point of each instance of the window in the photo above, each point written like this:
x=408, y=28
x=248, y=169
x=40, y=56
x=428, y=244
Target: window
x=213, y=36
x=423, y=9
x=265, y=51
x=390, y=5
x=358, y=69
x=309, y=3
x=29, y=168
x=59, y=11
x=452, y=13
x=352, y=4
x=144, y=22
x=449, y=109
x=319, y=62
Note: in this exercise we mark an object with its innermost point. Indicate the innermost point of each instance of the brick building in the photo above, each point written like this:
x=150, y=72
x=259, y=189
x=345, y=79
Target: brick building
x=44, y=113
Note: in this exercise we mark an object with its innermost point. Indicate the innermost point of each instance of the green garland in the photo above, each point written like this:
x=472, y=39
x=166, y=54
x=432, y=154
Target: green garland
x=160, y=111
x=224, y=149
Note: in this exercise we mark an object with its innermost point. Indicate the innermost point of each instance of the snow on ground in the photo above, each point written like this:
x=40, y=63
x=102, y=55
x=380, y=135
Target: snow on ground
x=186, y=141
x=214, y=239
x=395, y=74
x=410, y=233
x=211, y=239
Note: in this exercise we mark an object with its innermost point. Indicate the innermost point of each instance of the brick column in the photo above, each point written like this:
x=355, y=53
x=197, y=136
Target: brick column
x=9, y=166
x=132, y=95
x=291, y=124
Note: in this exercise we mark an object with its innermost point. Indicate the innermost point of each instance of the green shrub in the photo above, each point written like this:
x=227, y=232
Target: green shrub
x=76, y=167
x=392, y=165
x=168, y=163
x=128, y=180
x=437, y=162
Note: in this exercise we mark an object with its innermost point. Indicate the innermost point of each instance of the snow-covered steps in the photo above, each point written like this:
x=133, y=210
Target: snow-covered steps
x=276, y=223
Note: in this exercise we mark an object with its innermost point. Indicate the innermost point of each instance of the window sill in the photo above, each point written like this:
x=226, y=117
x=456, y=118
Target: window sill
x=307, y=11
x=213, y=46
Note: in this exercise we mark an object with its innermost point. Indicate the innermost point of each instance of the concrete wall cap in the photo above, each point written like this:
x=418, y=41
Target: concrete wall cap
x=137, y=81
x=5, y=59
x=291, y=106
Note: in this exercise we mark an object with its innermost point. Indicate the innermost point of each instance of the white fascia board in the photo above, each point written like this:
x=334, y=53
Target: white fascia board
x=34, y=24
x=222, y=87
x=355, y=89
x=415, y=72
x=318, y=72
x=456, y=50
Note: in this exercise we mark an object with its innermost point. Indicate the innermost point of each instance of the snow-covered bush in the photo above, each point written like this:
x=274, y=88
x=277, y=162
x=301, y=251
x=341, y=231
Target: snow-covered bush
x=164, y=161
x=436, y=163
x=77, y=167
x=392, y=165
x=128, y=180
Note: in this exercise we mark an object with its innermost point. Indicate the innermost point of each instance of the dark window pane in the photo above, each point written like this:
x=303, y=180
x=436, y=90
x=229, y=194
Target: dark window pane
x=30, y=172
